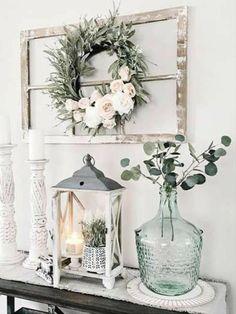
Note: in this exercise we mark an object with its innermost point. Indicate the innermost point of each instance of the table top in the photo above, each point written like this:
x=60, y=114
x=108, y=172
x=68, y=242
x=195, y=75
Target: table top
x=89, y=295
x=74, y=300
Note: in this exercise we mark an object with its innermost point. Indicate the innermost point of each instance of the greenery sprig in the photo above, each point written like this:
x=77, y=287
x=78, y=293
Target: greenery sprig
x=71, y=60
x=166, y=168
x=94, y=232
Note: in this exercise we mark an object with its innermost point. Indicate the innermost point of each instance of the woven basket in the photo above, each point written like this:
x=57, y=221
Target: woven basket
x=94, y=259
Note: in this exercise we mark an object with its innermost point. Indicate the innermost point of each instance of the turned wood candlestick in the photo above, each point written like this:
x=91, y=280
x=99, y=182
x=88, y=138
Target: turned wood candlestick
x=38, y=199
x=8, y=247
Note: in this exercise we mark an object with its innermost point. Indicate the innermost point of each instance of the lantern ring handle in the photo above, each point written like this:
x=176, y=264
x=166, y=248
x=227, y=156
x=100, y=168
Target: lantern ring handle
x=88, y=159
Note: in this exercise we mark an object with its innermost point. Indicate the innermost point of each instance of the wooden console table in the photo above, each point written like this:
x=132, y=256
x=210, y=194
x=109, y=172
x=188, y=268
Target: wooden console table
x=55, y=298
x=86, y=295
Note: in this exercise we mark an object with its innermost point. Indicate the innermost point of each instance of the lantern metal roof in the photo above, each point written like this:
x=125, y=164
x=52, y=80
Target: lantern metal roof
x=89, y=178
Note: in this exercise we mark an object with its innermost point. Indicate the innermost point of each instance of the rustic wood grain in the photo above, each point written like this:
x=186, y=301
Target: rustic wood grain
x=25, y=81
x=101, y=82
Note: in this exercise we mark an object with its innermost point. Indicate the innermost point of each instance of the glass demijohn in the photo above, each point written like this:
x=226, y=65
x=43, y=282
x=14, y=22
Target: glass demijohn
x=169, y=249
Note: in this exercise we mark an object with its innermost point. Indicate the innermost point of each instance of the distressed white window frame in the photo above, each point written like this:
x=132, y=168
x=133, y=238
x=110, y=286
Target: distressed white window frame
x=181, y=17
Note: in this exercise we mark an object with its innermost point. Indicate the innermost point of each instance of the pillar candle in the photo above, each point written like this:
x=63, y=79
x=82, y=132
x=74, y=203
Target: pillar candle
x=36, y=145
x=74, y=244
x=5, y=131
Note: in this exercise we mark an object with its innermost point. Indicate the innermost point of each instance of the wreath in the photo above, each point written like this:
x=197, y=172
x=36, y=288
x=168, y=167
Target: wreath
x=110, y=104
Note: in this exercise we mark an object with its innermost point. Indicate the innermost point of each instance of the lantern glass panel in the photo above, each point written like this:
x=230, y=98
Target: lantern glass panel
x=70, y=221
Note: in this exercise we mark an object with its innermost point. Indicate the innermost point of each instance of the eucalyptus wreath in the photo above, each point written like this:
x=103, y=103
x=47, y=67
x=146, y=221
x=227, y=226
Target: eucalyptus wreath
x=111, y=104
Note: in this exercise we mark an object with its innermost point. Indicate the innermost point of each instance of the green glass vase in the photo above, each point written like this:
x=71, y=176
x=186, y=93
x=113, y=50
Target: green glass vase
x=169, y=249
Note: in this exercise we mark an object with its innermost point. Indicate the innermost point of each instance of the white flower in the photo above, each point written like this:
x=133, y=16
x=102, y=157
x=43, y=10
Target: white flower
x=105, y=106
x=122, y=103
x=84, y=103
x=129, y=89
x=124, y=73
x=78, y=116
x=116, y=86
x=71, y=105
x=109, y=124
x=95, y=96
x=92, y=118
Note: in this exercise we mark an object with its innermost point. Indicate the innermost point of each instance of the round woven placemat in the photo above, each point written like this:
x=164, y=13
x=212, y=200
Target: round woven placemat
x=203, y=293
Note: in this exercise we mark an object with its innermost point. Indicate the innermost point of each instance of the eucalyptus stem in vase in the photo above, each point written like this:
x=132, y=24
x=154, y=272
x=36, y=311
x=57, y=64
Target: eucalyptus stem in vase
x=169, y=247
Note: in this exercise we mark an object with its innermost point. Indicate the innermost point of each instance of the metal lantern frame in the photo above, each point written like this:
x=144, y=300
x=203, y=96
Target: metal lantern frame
x=113, y=221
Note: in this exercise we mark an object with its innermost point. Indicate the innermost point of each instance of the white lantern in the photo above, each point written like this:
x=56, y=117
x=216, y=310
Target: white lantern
x=94, y=247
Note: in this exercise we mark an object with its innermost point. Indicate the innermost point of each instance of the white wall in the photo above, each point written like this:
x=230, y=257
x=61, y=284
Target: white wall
x=212, y=111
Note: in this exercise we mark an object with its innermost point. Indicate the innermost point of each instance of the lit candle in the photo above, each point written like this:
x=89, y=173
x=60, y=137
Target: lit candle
x=74, y=244
x=5, y=131
x=36, y=145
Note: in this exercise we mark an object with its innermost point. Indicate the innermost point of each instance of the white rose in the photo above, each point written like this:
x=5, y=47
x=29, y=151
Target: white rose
x=129, y=89
x=92, y=118
x=124, y=73
x=116, y=86
x=84, y=103
x=71, y=105
x=123, y=103
x=109, y=124
x=78, y=116
x=105, y=107
x=95, y=96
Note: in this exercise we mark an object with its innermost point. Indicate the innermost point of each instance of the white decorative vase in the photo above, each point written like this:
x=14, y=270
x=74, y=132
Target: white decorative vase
x=94, y=259
x=8, y=247
x=39, y=232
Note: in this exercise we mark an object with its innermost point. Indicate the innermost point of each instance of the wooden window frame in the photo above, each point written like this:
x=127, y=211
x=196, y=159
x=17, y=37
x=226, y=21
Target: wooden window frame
x=178, y=13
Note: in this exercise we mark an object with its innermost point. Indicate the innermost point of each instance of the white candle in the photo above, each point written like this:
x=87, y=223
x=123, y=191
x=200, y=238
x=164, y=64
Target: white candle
x=74, y=244
x=5, y=131
x=36, y=145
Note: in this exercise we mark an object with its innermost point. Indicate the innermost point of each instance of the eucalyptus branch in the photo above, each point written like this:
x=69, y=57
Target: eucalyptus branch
x=193, y=165
x=164, y=163
x=159, y=168
x=188, y=171
x=151, y=179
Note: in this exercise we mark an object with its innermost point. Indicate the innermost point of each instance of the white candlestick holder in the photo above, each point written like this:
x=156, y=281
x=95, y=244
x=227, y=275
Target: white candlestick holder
x=8, y=247
x=38, y=200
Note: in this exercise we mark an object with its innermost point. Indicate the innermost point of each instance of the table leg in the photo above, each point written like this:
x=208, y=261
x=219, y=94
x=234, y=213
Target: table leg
x=10, y=305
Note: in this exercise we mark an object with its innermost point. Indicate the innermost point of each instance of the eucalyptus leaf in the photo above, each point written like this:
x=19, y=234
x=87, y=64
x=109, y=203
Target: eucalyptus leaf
x=211, y=169
x=192, y=151
x=210, y=157
x=161, y=146
x=171, y=179
x=185, y=187
x=180, y=138
x=177, y=148
x=149, y=148
x=226, y=140
x=169, y=144
x=154, y=171
x=199, y=178
x=220, y=152
x=191, y=181
x=149, y=162
x=168, y=165
x=136, y=173
x=126, y=175
x=125, y=162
